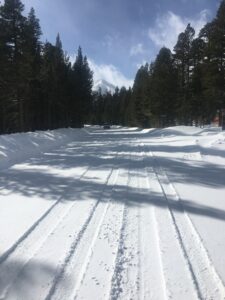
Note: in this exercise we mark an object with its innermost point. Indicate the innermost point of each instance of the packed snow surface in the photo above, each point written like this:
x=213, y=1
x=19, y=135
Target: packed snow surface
x=122, y=213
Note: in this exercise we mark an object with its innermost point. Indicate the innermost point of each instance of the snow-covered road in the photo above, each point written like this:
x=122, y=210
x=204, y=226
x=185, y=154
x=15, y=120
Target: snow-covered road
x=116, y=214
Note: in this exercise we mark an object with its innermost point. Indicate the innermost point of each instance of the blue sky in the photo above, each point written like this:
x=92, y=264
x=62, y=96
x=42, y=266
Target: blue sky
x=119, y=35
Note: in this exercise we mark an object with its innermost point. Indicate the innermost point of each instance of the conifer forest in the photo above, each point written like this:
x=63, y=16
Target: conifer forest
x=41, y=89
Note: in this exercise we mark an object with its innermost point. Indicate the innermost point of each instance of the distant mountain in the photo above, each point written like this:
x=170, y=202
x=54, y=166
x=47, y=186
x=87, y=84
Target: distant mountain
x=104, y=86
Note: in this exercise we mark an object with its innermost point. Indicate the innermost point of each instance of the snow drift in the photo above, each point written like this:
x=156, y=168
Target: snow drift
x=20, y=146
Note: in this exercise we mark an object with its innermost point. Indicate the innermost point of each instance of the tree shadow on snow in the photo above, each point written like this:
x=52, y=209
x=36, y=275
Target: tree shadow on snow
x=26, y=280
x=54, y=175
x=33, y=183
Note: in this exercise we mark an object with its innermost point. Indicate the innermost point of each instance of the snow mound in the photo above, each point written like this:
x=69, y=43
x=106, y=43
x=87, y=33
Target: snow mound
x=218, y=140
x=20, y=146
x=185, y=130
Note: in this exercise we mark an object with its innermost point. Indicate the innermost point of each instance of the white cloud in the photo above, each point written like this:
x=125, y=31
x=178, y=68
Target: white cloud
x=169, y=26
x=109, y=73
x=136, y=49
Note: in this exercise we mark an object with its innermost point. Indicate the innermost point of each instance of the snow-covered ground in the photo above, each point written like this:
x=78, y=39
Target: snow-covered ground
x=113, y=214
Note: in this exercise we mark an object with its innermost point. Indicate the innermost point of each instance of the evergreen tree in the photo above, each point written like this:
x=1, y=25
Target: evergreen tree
x=31, y=71
x=59, y=82
x=163, y=89
x=12, y=38
x=123, y=103
x=82, y=95
x=127, y=107
x=184, y=64
x=213, y=80
x=141, y=97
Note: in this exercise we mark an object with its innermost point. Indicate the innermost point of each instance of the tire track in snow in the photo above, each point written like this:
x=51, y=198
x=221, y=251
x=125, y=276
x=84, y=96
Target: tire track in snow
x=80, y=259
x=33, y=240
x=47, y=249
x=138, y=269
x=126, y=277
x=101, y=254
x=152, y=281
x=120, y=259
x=37, y=223
x=173, y=278
x=99, y=213
x=207, y=282
x=138, y=272
x=87, y=281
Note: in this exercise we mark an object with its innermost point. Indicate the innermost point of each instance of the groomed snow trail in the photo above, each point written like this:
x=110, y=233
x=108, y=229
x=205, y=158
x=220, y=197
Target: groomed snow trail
x=207, y=282
x=108, y=223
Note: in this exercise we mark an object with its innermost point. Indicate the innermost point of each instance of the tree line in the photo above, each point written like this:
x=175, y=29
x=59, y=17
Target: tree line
x=41, y=89
x=184, y=87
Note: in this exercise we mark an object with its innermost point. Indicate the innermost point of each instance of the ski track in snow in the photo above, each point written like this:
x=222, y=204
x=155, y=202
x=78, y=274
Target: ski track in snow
x=66, y=221
x=152, y=281
x=126, y=279
x=83, y=252
x=133, y=241
x=52, y=210
x=88, y=279
x=208, y=284
x=121, y=258
x=34, y=239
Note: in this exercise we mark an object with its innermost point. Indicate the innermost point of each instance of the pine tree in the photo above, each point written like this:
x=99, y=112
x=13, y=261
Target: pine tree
x=31, y=71
x=47, y=87
x=141, y=97
x=163, y=89
x=60, y=77
x=82, y=90
x=127, y=107
x=12, y=40
x=196, y=87
x=213, y=80
x=123, y=102
x=184, y=64
x=87, y=84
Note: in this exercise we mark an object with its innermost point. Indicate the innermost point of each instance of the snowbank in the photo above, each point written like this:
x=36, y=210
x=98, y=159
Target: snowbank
x=20, y=146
